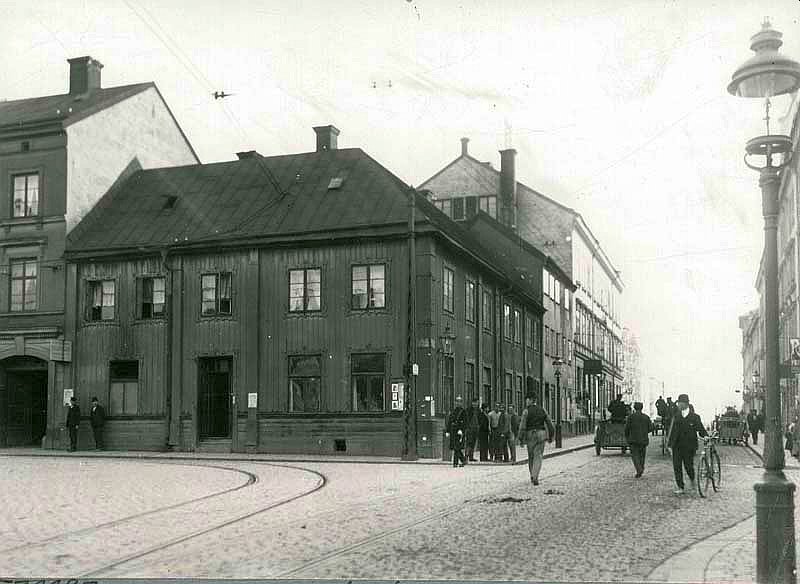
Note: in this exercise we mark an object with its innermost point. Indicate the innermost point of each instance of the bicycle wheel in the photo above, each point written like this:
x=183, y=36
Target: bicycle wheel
x=702, y=476
x=716, y=469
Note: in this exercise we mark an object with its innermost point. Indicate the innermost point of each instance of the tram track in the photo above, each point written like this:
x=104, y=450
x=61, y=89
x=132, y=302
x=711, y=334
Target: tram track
x=321, y=483
x=251, y=480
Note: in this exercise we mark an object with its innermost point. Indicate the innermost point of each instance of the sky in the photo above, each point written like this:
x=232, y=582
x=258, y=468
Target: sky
x=617, y=108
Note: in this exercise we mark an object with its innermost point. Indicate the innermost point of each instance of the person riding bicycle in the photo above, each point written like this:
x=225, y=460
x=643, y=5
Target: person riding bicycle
x=683, y=441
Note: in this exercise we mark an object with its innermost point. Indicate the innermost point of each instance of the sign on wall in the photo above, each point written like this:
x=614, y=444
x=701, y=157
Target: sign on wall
x=68, y=394
x=398, y=395
x=252, y=400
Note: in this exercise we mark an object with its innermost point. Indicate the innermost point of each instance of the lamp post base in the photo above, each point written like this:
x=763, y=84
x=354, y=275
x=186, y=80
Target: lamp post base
x=775, y=545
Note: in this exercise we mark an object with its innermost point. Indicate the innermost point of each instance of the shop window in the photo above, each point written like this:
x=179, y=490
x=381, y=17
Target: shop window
x=368, y=374
x=305, y=383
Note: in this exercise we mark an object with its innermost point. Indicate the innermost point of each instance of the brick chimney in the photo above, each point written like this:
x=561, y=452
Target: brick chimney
x=84, y=75
x=508, y=187
x=326, y=137
x=464, y=142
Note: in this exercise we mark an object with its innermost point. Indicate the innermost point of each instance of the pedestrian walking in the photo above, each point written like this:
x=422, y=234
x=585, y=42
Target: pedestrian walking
x=534, y=428
x=97, y=417
x=494, y=433
x=483, y=432
x=683, y=441
x=661, y=410
x=513, y=432
x=73, y=423
x=473, y=425
x=637, y=429
x=456, y=431
x=752, y=425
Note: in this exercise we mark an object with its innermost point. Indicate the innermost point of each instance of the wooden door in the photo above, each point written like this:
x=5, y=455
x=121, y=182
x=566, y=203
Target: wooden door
x=214, y=398
x=26, y=408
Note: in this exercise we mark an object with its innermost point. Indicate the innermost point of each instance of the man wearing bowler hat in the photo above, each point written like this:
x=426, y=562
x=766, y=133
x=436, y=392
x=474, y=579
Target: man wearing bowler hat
x=73, y=422
x=97, y=417
x=637, y=431
x=683, y=441
x=456, y=431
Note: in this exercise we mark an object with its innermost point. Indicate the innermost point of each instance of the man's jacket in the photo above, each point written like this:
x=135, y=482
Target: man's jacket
x=683, y=434
x=73, y=416
x=637, y=428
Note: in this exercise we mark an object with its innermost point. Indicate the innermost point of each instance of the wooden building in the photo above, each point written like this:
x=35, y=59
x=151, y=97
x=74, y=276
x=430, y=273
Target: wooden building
x=58, y=155
x=262, y=305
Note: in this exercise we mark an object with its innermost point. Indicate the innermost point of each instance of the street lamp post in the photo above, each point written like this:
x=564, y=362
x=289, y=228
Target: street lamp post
x=557, y=365
x=765, y=75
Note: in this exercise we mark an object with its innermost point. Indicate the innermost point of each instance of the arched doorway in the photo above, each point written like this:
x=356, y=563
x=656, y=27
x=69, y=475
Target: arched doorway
x=24, y=407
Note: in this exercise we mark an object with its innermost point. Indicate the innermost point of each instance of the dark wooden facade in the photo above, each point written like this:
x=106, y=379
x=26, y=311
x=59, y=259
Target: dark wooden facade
x=261, y=334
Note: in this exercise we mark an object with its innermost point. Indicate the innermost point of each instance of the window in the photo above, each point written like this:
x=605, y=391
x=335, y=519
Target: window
x=566, y=299
x=305, y=383
x=216, y=293
x=469, y=382
x=153, y=297
x=528, y=331
x=471, y=206
x=101, y=300
x=488, y=321
x=469, y=302
x=23, y=284
x=448, y=381
x=305, y=290
x=458, y=209
x=368, y=378
x=545, y=282
x=517, y=326
x=447, y=289
x=489, y=205
x=518, y=396
x=26, y=195
x=486, y=392
x=546, y=340
x=508, y=393
x=507, y=321
x=123, y=399
x=368, y=287
x=444, y=206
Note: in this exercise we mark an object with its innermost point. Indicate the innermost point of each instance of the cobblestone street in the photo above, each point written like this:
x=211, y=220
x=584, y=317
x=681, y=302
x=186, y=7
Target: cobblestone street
x=588, y=520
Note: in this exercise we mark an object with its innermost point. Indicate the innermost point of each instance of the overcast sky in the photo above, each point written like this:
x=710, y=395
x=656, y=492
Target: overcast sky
x=616, y=108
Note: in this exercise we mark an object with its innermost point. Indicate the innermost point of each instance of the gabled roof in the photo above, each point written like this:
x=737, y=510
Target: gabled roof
x=65, y=108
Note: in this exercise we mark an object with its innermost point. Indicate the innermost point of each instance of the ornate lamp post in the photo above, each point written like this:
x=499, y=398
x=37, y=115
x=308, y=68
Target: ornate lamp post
x=557, y=365
x=765, y=75
x=446, y=340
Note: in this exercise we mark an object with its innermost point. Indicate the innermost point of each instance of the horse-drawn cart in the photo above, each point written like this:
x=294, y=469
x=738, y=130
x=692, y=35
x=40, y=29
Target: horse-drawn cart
x=610, y=435
x=733, y=428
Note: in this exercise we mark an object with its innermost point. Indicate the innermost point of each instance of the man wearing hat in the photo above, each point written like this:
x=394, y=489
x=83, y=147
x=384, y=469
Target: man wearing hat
x=97, y=417
x=73, y=422
x=456, y=431
x=637, y=431
x=498, y=426
x=683, y=441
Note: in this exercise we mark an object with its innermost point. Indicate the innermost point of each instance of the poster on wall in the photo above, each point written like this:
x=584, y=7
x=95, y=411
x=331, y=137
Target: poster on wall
x=252, y=400
x=398, y=391
x=68, y=393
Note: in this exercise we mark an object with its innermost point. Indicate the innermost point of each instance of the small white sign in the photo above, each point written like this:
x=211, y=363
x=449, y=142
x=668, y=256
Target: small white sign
x=252, y=400
x=68, y=394
x=415, y=369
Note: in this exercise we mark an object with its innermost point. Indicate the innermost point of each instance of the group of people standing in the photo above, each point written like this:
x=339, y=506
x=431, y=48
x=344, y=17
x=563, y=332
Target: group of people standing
x=496, y=433
x=97, y=419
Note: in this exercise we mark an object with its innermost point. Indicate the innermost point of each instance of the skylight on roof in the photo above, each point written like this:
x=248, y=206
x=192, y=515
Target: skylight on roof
x=335, y=183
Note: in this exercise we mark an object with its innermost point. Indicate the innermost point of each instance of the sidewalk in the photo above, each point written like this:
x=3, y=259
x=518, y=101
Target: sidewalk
x=571, y=444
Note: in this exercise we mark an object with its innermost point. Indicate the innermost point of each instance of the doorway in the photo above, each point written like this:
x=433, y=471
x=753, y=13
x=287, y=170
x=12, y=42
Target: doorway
x=26, y=401
x=214, y=397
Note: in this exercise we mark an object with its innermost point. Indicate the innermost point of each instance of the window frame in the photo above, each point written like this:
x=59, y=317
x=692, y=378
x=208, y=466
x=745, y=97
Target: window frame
x=448, y=301
x=488, y=311
x=516, y=325
x=306, y=296
x=369, y=281
x=218, y=312
x=91, y=283
x=470, y=294
x=507, y=324
x=141, y=300
x=368, y=375
x=290, y=378
x=469, y=381
x=26, y=174
x=25, y=261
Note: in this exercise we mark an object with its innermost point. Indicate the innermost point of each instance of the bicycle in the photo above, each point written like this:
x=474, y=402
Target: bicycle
x=709, y=467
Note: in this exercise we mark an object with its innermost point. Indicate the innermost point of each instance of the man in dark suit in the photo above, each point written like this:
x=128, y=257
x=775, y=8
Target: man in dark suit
x=472, y=429
x=73, y=422
x=683, y=441
x=97, y=417
x=752, y=425
x=483, y=432
x=617, y=409
x=456, y=431
x=637, y=430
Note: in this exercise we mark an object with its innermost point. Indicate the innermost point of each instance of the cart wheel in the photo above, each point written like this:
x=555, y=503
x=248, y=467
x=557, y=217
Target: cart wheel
x=597, y=449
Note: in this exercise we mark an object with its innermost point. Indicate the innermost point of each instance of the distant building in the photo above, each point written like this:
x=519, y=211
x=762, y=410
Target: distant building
x=58, y=155
x=263, y=304
x=586, y=324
